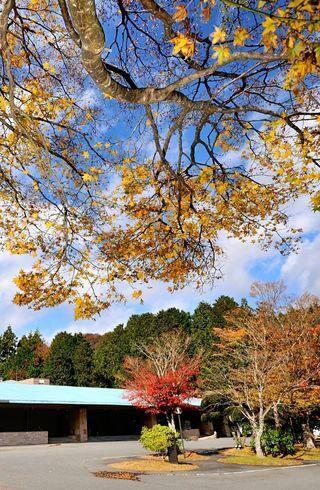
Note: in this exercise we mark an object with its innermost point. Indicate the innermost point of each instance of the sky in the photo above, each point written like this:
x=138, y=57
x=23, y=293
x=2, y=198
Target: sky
x=243, y=264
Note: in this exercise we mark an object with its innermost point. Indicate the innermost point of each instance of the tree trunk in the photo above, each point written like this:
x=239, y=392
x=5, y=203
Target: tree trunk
x=257, y=434
x=276, y=416
x=171, y=422
x=173, y=450
x=308, y=438
x=257, y=443
x=173, y=453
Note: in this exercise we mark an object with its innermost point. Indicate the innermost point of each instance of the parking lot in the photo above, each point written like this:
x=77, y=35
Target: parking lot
x=70, y=466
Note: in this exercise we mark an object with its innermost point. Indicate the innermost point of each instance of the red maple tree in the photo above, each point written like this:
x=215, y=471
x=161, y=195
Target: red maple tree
x=165, y=379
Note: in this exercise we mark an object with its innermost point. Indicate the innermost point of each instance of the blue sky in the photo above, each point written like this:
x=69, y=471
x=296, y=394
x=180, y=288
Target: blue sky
x=243, y=264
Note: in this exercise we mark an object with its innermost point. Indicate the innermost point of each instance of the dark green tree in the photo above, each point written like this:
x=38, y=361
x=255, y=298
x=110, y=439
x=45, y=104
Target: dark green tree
x=8, y=347
x=205, y=318
x=109, y=357
x=29, y=359
x=83, y=362
x=171, y=319
x=8, y=344
x=59, y=364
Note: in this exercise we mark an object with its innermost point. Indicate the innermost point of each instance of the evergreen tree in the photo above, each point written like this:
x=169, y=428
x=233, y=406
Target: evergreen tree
x=139, y=328
x=29, y=358
x=109, y=357
x=83, y=362
x=205, y=318
x=171, y=319
x=8, y=346
x=59, y=364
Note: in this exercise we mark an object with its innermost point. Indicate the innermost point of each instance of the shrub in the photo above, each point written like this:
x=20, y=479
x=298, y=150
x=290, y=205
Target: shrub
x=277, y=442
x=158, y=439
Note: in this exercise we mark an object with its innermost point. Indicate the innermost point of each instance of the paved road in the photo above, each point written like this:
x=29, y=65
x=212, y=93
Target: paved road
x=70, y=466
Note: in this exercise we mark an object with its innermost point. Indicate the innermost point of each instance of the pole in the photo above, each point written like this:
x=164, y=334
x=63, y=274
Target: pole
x=181, y=435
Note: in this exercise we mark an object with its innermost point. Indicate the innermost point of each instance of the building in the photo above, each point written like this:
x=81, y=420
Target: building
x=35, y=412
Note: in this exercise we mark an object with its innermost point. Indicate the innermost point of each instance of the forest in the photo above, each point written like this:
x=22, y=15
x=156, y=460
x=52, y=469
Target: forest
x=97, y=360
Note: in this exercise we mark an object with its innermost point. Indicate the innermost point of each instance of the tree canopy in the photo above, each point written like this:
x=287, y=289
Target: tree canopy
x=133, y=133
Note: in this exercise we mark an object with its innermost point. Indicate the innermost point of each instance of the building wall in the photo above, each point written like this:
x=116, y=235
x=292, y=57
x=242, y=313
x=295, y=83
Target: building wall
x=23, y=438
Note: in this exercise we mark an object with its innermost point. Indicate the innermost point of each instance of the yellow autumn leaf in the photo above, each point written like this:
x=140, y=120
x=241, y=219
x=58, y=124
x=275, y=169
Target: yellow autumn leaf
x=183, y=44
x=219, y=35
x=136, y=294
x=180, y=13
x=51, y=69
x=240, y=36
x=269, y=25
x=88, y=178
x=128, y=160
x=85, y=154
x=222, y=53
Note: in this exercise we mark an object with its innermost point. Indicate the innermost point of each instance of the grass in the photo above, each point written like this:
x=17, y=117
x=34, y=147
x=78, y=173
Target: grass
x=307, y=454
x=247, y=457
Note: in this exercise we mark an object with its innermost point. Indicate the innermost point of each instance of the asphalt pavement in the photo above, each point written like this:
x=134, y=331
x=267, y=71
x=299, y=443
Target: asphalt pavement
x=70, y=466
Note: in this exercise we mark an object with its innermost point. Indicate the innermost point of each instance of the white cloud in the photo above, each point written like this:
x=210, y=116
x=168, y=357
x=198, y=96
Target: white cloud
x=301, y=271
x=11, y=314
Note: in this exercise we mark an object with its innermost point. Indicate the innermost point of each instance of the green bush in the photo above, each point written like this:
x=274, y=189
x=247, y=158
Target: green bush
x=277, y=442
x=158, y=439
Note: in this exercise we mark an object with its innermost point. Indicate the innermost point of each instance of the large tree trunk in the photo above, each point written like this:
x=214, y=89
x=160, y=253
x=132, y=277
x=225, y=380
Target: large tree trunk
x=257, y=443
x=308, y=438
x=257, y=434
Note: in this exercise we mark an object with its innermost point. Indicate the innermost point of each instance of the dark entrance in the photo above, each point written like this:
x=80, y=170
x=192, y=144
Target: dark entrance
x=114, y=421
x=56, y=421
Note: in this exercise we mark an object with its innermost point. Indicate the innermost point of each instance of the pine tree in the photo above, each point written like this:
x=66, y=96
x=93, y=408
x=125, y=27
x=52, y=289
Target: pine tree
x=8, y=344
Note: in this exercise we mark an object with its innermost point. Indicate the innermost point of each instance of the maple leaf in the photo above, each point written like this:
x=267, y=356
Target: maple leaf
x=180, y=14
x=218, y=35
x=222, y=53
x=183, y=44
x=88, y=177
x=240, y=36
x=136, y=294
x=269, y=25
x=85, y=154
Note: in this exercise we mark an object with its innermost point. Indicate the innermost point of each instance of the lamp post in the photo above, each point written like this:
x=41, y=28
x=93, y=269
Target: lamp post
x=178, y=412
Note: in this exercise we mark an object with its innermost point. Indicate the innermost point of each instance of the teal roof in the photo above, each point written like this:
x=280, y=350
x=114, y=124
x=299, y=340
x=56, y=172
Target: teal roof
x=14, y=392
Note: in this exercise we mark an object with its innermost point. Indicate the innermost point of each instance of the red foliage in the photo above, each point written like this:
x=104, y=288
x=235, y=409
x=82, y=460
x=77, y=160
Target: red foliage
x=160, y=394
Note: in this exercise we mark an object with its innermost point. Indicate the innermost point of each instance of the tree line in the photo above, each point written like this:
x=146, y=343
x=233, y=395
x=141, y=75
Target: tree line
x=98, y=360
